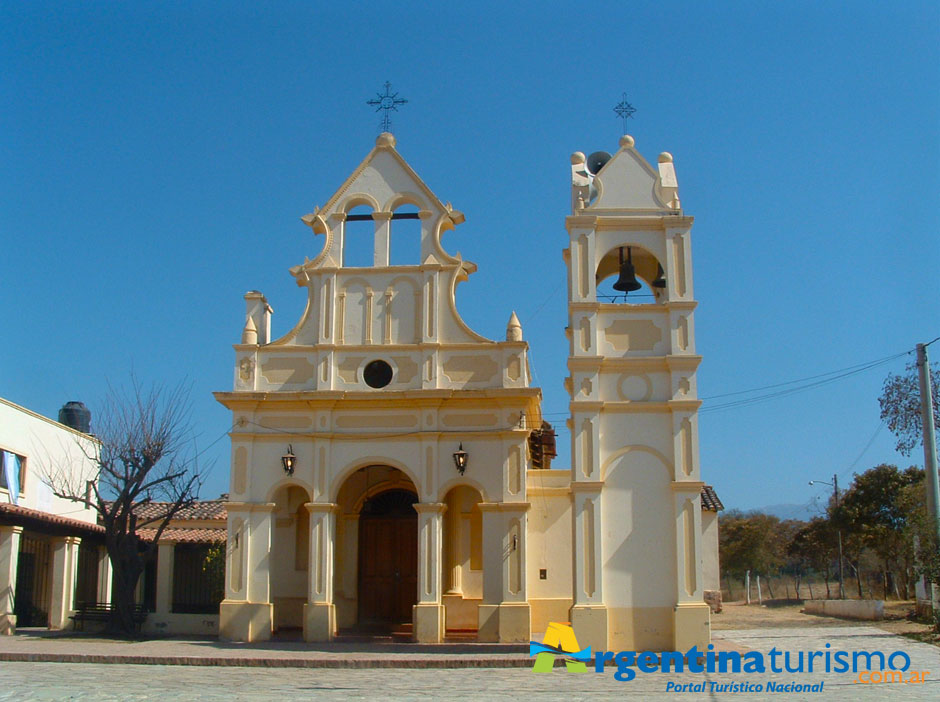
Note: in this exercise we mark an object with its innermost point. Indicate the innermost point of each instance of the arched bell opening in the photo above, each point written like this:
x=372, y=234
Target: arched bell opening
x=630, y=274
x=405, y=237
x=359, y=238
x=462, y=561
x=376, y=574
x=290, y=555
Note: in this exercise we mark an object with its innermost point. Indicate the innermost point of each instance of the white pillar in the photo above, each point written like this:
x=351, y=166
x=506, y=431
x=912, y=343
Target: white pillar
x=259, y=553
x=104, y=576
x=320, y=610
x=504, y=614
x=382, y=237
x=691, y=625
x=64, y=573
x=429, y=612
x=246, y=613
x=166, y=556
x=9, y=558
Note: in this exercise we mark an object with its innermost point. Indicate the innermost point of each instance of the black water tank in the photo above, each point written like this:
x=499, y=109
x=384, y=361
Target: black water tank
x=75, y=415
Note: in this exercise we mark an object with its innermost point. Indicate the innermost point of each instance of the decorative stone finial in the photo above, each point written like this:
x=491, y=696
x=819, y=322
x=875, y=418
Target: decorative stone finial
x=385, y=139
x=514, y=329
x=665, y=157
x=577, y=157
x=250, y=332
x=627, y=141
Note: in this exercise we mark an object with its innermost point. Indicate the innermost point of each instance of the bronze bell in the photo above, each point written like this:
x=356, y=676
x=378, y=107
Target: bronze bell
x=627, y=281
x=660, y=281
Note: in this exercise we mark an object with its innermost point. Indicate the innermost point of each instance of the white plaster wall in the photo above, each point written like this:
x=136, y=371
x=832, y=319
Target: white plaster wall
x=638, y=538
x=46, y=444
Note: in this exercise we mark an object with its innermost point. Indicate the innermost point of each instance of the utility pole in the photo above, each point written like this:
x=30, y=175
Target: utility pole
x=835, y=492
x=930, y=452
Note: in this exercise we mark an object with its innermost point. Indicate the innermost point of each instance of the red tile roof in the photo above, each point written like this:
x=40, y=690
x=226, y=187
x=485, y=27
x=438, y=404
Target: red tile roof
x=185, y=536
x=710, y=500
x=209, y=509
x=17, y=513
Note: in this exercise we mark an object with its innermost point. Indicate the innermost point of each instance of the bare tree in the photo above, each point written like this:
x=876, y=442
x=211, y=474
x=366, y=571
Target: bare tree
x=143, y=455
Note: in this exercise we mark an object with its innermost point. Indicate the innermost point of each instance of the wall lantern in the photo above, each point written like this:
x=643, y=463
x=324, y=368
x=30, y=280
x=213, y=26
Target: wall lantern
x=289, y=459
x=460, y=459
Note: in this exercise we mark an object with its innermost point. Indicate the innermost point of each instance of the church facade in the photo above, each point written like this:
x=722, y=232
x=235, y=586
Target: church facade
x=386, y=458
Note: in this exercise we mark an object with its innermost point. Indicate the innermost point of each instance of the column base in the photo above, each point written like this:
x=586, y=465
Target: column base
x=509, y=622
x=692, y=626
x=590, y=625
x=319, y=621
x=428, y=623
x=7, y=624
x=245, y=621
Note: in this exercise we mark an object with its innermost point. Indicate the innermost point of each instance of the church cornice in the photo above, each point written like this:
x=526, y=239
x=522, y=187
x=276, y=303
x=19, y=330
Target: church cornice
x=643, y=307
x=639, y=363
x=379, y=400
x=618, y=219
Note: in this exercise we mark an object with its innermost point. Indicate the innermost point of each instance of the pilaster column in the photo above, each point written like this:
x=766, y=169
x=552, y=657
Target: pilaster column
x=504, y=614
x=64, y=571
x=429, y=612
x=588, y=612
x=320, y=611
x=692, y=615
x=382, y=235
x=166, y=556
x=9, y=558
x=246, y=613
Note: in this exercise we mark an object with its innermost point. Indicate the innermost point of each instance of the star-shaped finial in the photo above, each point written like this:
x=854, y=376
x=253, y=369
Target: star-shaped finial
x=624, y=111
x=388, y=102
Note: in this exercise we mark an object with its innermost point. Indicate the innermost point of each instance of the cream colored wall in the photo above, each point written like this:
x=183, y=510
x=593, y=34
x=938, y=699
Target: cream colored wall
x=47, y=445
x=449, y=387
x=637, y=557
x=711, y=572
x=549, y=546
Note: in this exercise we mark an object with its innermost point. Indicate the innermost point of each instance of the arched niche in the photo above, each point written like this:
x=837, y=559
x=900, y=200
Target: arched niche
x=649, y=270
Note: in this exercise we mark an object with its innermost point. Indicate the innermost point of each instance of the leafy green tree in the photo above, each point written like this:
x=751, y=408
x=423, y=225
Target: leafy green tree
x=750, y=542
x=813, y=548
x=877, y=510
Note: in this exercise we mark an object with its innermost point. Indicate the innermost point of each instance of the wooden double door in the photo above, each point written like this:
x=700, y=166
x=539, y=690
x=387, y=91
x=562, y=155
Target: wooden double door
x=388, y=563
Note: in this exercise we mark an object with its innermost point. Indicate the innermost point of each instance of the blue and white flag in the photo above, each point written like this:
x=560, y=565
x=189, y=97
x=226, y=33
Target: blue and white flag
x=11, y=470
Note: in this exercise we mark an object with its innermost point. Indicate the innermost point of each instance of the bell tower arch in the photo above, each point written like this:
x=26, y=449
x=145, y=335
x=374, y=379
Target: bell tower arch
x=635, y=481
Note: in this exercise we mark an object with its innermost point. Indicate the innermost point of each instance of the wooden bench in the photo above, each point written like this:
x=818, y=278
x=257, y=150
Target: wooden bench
x=102, y=612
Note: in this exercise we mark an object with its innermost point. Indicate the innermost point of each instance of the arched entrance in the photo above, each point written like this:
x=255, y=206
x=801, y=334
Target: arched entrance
x=376, y=581
x=290, y=555
x=388, y=560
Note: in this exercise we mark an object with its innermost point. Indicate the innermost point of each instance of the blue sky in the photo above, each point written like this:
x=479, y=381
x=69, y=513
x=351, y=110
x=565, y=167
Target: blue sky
x=157, y=158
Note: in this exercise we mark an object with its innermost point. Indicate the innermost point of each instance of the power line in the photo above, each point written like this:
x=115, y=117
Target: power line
x=860, y=366
x=827, y=378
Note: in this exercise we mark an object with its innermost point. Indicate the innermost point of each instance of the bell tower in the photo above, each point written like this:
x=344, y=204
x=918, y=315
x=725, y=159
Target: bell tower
x=635, y=482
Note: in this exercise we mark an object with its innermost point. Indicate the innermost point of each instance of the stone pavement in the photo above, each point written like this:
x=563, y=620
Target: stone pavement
x=95, y=681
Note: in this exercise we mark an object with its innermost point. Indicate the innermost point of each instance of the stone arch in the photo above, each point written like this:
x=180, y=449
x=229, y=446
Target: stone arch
x=288, y=562
x=645, y=262
x=406, y=198
x=458, y=481
x=605, y=466
x=364, y=462
x=462, y=555
x=288, y=481
x=354, y=200
x=640, y=528
x=375, y=552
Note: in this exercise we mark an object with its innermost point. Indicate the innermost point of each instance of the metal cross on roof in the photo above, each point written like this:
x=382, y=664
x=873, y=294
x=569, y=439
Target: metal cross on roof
x=624, y=111
x=388, y=102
